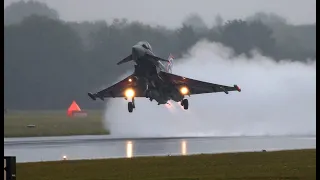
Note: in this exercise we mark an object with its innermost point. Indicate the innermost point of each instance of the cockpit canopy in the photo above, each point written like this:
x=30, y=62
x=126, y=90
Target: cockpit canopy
x=145, y=45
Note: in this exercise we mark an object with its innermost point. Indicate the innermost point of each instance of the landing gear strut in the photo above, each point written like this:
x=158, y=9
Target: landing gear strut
x=148, y=95
x=131, y=106
x=185, y=104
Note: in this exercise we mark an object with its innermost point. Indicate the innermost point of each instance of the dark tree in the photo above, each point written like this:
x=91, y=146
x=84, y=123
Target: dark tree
x=17, y=11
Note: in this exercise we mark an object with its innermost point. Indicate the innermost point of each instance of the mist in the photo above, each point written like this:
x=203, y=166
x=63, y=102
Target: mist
x=277, y=98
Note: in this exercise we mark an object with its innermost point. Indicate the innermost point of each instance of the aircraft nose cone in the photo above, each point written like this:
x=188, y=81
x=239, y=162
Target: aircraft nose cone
x=137, y=52
x=136, y=48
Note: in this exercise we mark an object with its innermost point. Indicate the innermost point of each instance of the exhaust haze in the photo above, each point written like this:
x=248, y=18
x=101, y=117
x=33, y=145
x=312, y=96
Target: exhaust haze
x=277, y=98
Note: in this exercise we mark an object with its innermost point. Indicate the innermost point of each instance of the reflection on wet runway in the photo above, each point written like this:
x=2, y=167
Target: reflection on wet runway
x=129, y=149
x=30, y=150
x=183, y=147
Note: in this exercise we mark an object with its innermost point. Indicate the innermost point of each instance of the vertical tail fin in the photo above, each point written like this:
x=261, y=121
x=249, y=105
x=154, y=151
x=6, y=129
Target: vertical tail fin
x=170, y=63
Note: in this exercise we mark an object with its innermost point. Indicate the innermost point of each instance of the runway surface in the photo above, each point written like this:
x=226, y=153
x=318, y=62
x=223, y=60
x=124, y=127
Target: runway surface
x=96, y=147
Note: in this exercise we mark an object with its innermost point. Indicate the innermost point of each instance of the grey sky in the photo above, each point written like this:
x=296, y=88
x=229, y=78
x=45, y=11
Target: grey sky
x=172, y=12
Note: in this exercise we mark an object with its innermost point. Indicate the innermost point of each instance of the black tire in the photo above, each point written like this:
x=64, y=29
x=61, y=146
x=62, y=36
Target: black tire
x=130, y=107
x=185, y=104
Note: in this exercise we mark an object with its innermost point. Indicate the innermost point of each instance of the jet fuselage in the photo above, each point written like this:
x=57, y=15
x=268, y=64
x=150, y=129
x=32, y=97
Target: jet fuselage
x=147, y=74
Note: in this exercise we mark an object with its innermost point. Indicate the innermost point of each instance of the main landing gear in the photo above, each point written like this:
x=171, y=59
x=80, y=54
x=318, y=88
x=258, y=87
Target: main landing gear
x=185, y=104
x=131, y=106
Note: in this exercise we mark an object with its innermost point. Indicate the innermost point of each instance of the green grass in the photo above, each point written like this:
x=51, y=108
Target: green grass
x=51, y=123
x=293, y=165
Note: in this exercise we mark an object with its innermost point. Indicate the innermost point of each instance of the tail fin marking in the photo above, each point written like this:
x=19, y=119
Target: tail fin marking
x=170, y=63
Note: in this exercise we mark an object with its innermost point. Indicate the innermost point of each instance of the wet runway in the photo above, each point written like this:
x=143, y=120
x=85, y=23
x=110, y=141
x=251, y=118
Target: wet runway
x=93, y=147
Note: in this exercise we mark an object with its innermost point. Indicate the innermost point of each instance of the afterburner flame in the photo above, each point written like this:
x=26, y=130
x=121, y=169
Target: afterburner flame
x=168, y=105
x=184, y=90
x=129, y=93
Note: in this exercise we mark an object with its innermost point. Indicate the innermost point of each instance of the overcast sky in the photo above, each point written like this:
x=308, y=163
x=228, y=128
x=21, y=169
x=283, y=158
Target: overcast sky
x=172, y=12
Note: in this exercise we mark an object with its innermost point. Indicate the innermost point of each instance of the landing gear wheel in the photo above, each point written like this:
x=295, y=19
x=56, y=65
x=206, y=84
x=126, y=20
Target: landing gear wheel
x=130, y=107
x=185, y=104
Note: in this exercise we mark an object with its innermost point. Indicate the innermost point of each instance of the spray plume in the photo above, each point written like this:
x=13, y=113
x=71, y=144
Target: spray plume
x=277, y=98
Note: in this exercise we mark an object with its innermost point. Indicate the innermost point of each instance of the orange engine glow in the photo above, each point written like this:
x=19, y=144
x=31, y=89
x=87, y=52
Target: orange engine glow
x=184, y=90
x=130, y=80
x=129, y=93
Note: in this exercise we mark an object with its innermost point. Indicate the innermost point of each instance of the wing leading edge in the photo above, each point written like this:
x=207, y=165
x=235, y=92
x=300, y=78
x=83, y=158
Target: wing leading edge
x=196, y=86
x=118, y=89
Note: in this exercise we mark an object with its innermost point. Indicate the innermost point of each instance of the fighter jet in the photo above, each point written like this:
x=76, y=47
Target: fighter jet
x=153, y=79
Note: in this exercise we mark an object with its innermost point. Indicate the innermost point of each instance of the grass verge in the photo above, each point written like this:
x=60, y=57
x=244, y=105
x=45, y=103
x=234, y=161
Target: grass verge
x=294, y=164
x=51, y=123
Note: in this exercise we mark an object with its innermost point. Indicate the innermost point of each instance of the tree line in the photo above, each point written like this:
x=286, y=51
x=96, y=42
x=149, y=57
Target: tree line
x=49, y=62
